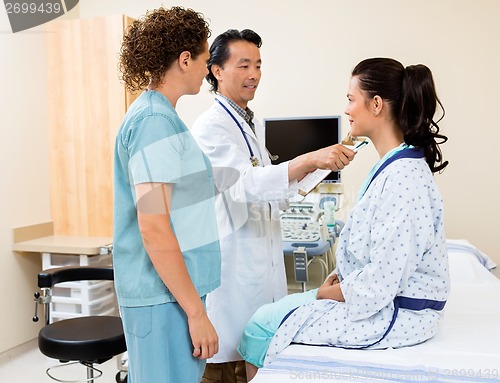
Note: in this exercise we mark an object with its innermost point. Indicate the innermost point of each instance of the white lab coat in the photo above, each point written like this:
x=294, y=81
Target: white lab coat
x=247, y=208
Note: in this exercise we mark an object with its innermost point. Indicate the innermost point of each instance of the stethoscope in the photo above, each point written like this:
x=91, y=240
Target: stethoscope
x=253, y=159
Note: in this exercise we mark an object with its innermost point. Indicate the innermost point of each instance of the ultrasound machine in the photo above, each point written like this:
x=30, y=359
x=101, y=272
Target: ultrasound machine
x=307, y=239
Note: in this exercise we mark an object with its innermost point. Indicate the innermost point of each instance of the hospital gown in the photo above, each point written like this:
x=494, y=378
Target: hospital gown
x=393, y=244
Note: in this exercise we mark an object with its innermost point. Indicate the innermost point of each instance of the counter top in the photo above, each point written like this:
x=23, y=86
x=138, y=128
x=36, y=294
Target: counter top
x=64, y=245
x=40, y=238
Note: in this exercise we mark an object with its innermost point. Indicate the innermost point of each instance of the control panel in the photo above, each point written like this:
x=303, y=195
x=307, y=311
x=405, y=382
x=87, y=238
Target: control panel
x=305, y=240
x=301, y=210
x=300, y=265
x=297, y=231
x=299, y=223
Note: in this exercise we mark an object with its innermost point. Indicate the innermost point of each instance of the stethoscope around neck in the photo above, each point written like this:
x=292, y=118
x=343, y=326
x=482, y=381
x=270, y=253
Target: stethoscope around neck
x=253, y=159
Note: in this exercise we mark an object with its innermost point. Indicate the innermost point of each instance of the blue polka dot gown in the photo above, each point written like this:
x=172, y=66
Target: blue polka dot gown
x=393, y=244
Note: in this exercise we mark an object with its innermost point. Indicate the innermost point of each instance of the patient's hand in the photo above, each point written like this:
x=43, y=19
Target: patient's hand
x=332, y=279
x=331, y=289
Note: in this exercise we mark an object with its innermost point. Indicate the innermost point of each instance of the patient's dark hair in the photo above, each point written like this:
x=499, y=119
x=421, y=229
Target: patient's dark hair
x=219, y=50
x=411, y=95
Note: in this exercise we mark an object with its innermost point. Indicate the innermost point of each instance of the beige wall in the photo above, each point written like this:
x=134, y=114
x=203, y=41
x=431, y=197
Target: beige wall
x=308, y=52
x=24, y=194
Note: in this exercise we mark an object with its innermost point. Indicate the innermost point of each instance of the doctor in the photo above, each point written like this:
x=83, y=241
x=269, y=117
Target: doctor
x=251, y=193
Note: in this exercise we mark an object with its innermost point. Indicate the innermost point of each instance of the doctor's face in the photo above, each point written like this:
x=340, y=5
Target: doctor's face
x=240, y=75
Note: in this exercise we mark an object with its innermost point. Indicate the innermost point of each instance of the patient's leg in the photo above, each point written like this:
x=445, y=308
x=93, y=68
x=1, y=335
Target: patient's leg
x=251, y=371
x=262, y=326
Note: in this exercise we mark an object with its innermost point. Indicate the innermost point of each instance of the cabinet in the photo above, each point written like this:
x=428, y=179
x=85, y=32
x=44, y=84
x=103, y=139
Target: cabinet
x=86, y=104
x=70, y=299
x=82, y=298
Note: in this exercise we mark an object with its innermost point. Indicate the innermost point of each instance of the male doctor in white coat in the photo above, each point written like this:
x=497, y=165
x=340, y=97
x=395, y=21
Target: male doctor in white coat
x=252, y=191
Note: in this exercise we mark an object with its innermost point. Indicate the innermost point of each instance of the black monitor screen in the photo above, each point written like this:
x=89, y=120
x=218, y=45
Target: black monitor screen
x=291, y=137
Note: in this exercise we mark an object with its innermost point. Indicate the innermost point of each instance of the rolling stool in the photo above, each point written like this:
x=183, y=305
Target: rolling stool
x=85, y=340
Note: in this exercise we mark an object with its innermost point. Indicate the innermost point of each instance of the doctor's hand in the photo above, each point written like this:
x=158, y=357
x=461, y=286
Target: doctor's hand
x=203, y=336
x=334, y=157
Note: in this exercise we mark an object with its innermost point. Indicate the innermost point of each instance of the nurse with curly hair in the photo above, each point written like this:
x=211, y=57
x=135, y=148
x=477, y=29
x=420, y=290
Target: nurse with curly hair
x=165, y=261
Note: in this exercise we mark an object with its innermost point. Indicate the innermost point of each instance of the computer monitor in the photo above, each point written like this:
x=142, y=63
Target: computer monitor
x=292, y=136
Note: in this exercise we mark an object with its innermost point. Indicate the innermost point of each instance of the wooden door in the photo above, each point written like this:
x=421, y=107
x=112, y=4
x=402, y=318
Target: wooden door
x=86, y=104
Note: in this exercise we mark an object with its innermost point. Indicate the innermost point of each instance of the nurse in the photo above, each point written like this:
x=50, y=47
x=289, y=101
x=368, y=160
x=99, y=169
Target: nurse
x=251, y=193
x=165, y=262
x=392, y=280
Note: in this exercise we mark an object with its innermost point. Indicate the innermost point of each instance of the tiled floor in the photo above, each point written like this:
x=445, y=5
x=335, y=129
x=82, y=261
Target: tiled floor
x=25, y=364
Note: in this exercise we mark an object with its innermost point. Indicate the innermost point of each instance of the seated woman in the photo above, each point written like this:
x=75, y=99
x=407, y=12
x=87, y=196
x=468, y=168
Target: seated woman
x=392, y=280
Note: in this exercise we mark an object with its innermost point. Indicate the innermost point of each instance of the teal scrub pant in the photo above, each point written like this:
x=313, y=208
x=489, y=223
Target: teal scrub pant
x=159, y=345
x=262, y=326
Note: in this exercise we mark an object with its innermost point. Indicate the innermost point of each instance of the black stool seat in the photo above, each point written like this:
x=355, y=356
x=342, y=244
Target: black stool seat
x=92, y=339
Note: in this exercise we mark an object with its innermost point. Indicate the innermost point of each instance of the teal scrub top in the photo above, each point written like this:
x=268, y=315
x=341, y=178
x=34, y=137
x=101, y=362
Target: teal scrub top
x=154, y=145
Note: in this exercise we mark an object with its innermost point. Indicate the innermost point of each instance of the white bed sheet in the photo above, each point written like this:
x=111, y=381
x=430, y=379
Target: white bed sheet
x=466, y=349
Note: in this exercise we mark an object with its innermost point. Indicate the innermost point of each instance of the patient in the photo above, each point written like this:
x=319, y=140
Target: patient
x=391, y=282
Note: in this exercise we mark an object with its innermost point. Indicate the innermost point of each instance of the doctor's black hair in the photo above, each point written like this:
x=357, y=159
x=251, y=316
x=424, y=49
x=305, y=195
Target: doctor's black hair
x=411, y=95
x=219, y=50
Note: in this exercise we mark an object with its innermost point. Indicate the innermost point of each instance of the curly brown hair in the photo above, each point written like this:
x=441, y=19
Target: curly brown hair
x=152, y=43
